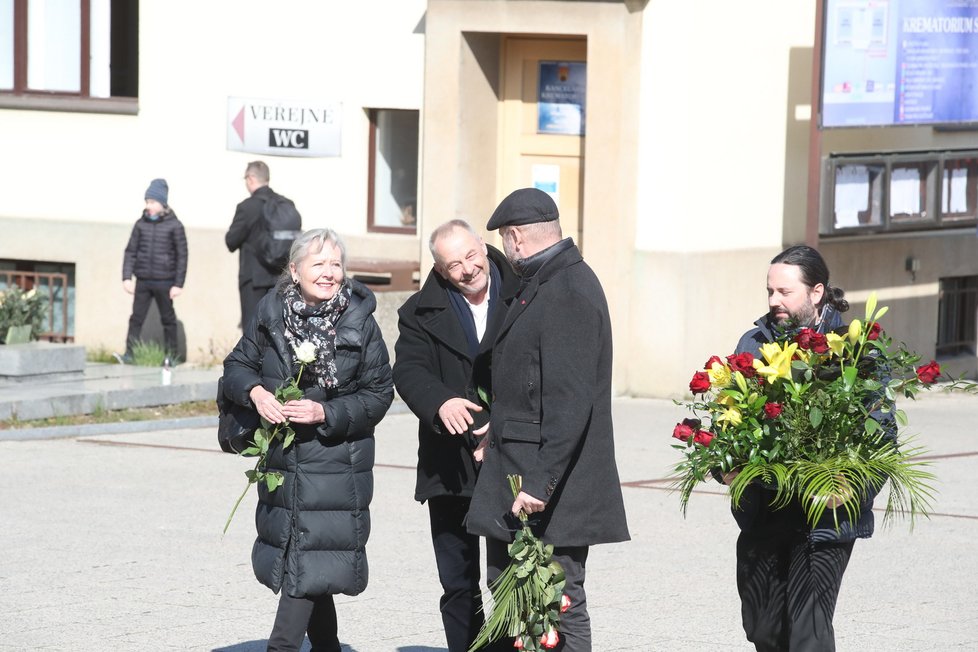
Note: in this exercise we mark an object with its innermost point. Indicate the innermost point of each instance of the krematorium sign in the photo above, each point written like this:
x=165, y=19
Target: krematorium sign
x=283, y=128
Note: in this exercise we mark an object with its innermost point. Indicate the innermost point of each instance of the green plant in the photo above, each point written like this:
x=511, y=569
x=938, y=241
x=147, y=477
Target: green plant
x=99, y=354
x=148, y=354
x=19, y=308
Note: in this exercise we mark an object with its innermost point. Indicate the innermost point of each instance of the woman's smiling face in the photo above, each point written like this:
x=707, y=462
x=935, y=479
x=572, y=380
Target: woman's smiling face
x=319, y=274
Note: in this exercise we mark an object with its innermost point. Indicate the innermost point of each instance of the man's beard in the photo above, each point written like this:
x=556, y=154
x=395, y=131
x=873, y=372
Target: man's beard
x=804, y=317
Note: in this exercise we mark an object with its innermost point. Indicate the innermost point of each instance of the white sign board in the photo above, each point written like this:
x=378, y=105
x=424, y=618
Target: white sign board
x=283, y=128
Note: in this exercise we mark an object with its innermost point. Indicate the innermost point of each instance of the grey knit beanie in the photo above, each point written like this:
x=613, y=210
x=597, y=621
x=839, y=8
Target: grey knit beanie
x=158, y=190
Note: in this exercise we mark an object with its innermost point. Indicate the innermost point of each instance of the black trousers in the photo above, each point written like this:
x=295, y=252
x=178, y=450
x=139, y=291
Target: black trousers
x=788, y=590
x=457, y=557
x=296, y=617
x=146, y=292
x=250, y=296
x=575, y=623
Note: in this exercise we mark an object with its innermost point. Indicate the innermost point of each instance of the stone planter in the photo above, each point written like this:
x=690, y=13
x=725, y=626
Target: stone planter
x=41, y=360
x=18, y=334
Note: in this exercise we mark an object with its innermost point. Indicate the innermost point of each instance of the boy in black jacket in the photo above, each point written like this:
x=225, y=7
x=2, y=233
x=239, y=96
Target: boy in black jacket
x=157, y=256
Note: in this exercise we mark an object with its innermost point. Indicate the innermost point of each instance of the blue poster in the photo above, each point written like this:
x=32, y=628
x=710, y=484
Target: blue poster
x=561, y=96
x=899, y=62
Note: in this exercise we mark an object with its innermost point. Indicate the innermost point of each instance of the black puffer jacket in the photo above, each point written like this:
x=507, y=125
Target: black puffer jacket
x=312, y=531
x=157, y=250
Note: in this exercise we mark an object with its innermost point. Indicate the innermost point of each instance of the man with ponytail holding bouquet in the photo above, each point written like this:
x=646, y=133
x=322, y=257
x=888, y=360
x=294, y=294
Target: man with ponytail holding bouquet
x=788, y=571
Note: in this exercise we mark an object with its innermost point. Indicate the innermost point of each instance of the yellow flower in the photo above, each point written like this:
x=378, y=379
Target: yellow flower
x=778, y=360
x=836, y=343
x=719, y=375
x=732, y=416
x=855, y=330
x=725, y=399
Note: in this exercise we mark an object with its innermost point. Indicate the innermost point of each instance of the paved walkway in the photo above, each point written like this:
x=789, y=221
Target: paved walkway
x=113, y=542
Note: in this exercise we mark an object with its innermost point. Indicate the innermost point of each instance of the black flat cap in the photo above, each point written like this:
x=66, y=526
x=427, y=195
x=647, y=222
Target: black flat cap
x=523, y=206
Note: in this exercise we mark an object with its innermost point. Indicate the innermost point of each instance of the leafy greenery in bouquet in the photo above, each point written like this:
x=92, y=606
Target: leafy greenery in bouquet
x=269, y=434
x=19, y=308
x=528, y=596
x=814, y=419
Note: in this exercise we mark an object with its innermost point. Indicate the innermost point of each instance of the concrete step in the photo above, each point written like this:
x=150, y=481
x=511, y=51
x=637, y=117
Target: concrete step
x=106, y=387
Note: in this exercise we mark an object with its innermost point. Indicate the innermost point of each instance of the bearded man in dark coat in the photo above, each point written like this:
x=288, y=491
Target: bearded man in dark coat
x=551, y=418
x=443, y=328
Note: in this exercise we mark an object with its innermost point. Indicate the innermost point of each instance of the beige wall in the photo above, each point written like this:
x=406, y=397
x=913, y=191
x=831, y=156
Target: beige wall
x=460, y=141
x=74, y=182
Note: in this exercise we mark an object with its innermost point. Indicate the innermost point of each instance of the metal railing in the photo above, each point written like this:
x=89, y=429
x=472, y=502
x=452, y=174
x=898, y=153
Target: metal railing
x=54, y=285
x=957, y=326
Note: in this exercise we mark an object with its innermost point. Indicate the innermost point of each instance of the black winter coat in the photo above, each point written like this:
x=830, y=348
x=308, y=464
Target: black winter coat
x=433, y=364
x=248, y=215
x=756, y=515
x=312, y=530
x=157, y=250
x=551, y=414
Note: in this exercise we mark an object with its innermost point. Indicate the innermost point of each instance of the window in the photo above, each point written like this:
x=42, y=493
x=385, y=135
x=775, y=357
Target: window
x=55, y=51
x=899, y=192
x=56, y=283
x=392, y=185
x=956, y=322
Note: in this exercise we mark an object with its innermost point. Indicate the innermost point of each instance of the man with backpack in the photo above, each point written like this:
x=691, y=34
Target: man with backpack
x=263, y=229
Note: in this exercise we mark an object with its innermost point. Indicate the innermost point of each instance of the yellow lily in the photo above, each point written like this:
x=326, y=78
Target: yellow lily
x=836, y=343
x=778, y=360
x=855, y=330
x=732, y=416
x=719, y=375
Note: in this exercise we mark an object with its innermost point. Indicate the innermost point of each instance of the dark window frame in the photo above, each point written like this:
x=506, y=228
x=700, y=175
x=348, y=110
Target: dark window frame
x=931, y=217
x=957, y=308
x=23, y=97
x=372, y=226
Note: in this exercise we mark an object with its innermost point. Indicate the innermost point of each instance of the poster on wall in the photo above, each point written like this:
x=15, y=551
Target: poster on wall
x=561, y=96
x=283, y=128
x=899, y=62
x=547, y=179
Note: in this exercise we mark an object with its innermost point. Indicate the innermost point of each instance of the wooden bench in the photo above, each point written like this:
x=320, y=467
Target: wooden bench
x=385, y=274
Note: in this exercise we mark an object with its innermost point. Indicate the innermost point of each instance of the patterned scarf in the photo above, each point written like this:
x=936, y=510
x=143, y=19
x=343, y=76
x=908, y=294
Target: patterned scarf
x=316, y=324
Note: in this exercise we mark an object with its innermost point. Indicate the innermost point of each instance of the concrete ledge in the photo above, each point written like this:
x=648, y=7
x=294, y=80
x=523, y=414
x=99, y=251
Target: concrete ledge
x=36, y=360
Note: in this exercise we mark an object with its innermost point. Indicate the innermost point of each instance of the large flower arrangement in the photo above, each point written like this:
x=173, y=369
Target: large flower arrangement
x=814, y=419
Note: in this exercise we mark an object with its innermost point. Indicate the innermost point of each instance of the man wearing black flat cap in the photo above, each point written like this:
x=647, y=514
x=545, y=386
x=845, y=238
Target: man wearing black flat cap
x=551, y=411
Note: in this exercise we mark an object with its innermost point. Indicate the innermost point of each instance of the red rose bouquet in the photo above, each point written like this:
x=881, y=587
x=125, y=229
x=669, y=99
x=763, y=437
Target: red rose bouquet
x=815, y=418
x=528, y=596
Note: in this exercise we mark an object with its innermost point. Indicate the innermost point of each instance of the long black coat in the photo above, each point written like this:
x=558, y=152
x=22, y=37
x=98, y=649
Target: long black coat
x=432, y=364
x=157, y=250
x=312, y=530
x=247, y=216
x=551, y=414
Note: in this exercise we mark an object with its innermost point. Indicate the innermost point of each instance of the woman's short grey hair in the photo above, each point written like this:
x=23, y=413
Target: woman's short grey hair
x=311, y=241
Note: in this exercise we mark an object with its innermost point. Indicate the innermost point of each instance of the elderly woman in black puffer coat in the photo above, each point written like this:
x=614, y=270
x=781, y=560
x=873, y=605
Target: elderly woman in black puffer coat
x=313, y=529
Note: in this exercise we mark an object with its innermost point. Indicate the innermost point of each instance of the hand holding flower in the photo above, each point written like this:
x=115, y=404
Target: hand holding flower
x=304, y=411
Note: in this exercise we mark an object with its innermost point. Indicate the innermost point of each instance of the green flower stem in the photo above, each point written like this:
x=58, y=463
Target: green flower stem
x=251, y=481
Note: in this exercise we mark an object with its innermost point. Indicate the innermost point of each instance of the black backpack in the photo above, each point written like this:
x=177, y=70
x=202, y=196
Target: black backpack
x=281, y=225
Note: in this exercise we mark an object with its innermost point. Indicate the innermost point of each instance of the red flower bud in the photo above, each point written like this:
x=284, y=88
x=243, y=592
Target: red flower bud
x=683, y=431
x=565, y=603
x=874, y=331
x=810, y=340
x=550, y=639
x=742, y=362
x=700, y=382
x=709, y=363
x=929, y=372
x=703, y=437
x=772, y=410
x=518, y=643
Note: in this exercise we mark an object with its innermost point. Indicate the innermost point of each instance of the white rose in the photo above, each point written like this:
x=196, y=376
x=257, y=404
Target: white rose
x=305, y=352
x=30, y=294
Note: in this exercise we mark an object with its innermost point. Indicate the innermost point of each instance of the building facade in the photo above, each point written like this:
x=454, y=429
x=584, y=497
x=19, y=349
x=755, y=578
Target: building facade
x=678, y=139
